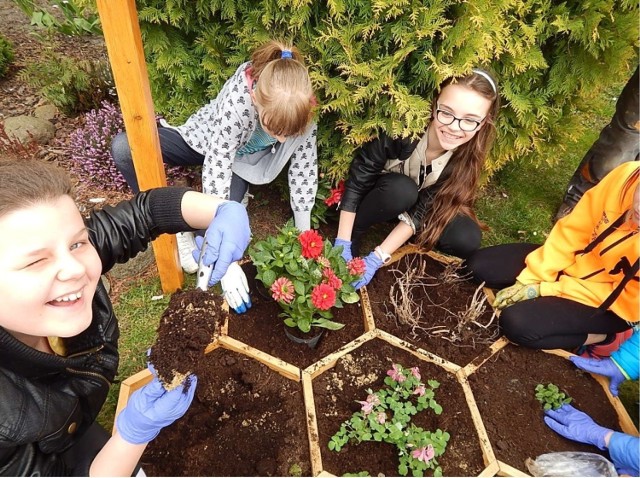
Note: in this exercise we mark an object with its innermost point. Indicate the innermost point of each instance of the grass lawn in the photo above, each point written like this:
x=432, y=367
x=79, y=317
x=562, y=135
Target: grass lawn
x=518, y=204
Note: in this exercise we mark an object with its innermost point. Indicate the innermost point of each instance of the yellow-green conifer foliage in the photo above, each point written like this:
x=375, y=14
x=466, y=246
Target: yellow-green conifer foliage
x=376, y=64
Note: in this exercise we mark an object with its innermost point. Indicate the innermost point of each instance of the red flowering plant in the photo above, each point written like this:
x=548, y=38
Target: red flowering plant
x=307, y=276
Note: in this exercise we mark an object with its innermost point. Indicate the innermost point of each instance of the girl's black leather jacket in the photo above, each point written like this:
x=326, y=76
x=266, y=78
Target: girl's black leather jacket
x=369, y=163
x=47, y=402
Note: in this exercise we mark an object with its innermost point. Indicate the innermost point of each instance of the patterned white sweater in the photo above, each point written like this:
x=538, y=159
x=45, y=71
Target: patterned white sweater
x=219, y=129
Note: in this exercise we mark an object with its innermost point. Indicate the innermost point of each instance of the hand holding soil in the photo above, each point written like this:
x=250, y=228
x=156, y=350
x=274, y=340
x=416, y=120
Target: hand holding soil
x=190, y=323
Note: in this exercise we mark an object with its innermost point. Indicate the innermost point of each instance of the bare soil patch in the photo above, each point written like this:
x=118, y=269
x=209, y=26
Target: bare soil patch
x=441, y=319
x=504, y=392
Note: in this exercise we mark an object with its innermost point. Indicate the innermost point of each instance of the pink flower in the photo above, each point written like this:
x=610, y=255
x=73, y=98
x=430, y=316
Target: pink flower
x=356, y=266
x=335, y=194
x=420, y=390
x=332, y=279
x=396, y=374
x=323, y=297
x=323, y=261
x=424, y=453
x=311, y=243
x=282, y=290
x=371, y=401
x=415, y=371
x=381, y=417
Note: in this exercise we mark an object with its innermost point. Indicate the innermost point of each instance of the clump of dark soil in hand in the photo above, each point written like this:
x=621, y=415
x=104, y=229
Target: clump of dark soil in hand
x=433, y=306
x=186, y=327
x=245, y=420
x=504, y=389
x=335, y=394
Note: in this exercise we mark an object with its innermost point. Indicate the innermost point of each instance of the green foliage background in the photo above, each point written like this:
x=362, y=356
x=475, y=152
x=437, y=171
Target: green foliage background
x=376, y=64
x=6, y=55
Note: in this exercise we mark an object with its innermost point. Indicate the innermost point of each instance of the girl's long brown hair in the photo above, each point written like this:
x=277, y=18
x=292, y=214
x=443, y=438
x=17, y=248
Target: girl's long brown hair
x=283, y=89
x=458, y=193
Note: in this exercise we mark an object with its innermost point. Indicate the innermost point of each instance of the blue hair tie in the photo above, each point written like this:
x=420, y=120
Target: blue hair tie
x=286, y=54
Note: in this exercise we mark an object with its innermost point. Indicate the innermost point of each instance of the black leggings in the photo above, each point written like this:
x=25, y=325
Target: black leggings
x=545, y=322
x=395, y=193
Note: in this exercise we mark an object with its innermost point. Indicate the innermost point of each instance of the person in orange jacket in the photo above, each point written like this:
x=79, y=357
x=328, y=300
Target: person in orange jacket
x=580, y=288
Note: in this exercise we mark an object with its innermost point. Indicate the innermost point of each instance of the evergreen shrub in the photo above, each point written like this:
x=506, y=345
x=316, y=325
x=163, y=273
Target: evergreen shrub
x=6, y=55
x=375, y=64
x=74, y=86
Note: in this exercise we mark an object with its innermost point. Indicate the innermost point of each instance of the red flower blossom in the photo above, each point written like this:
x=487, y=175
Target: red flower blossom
x=335, y=194
x=356, y=266
x=332, y=279
x=311, y=243
x=282, y=290
x=323, y=296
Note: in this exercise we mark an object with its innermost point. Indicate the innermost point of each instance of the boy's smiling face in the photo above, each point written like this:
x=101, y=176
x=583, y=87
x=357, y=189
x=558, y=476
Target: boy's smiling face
x=48, y=271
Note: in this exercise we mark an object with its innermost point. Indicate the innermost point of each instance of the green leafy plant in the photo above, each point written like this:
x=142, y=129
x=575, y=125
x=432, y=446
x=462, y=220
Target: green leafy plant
x=385, y=416
x=6, y=55
x=306, y=275
x=551, y=397
x=71, y=85
x=78, y=19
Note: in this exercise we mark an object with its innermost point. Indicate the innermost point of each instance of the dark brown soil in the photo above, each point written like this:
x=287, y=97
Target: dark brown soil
x=437, y=329
x=504, y=392
x=261, y=328
x=336, y=390
x=186, y=327
x=246, y=420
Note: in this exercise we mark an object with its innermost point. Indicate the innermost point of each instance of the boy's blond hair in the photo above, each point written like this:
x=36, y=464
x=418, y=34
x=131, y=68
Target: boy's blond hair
x=283, y=89
x=27, y=182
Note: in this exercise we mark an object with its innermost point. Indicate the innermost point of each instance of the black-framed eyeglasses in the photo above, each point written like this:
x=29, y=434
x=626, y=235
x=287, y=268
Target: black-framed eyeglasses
x=464, y=124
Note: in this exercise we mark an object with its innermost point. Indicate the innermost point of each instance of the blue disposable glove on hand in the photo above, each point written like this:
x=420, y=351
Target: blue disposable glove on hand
x=576, y=425
x=346, y=248
x=227, y=237
x=605, y=367
x=235, y=288
x=372, y=263
x=152, y=408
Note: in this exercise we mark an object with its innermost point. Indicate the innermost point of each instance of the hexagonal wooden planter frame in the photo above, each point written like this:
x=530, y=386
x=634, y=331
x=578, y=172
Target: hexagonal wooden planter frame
x=493, y=467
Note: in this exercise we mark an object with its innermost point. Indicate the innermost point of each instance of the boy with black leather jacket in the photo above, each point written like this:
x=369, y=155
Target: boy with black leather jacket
x=58, y=332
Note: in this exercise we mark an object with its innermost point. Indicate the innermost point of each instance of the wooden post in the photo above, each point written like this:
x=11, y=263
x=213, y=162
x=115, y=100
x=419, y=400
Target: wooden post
x=124, y=45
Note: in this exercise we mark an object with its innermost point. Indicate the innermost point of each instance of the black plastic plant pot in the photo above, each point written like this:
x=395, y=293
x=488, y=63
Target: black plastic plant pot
x=310, y=339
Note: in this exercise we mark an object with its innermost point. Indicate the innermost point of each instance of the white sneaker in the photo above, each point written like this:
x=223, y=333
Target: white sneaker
x=245, y=199
x=186, y=245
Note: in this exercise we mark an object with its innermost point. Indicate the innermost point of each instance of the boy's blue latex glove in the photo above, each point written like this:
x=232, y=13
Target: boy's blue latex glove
x=372, y=263
x=605, y=367
x=152, y=408
x=235, y=288
x=576, y=425
x=346, y=248
x=227, y=237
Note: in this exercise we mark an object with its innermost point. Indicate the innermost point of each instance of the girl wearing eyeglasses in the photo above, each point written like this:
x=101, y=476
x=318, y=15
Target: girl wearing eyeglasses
x=427, y=184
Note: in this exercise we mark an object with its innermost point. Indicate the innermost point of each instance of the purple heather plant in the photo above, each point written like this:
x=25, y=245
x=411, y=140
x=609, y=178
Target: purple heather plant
x=90, y=148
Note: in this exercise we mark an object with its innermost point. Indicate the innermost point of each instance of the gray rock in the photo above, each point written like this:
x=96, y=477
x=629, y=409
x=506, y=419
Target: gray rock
x=133, y=267
x=26, y=129
x=46, y=112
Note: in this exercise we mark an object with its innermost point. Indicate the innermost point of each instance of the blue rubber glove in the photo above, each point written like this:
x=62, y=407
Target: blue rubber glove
x=346, y=248
x=576, y=425
x=227, y=236
x=372, y=263
x=235, y=288
x=152, y=408
x=605, y=367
